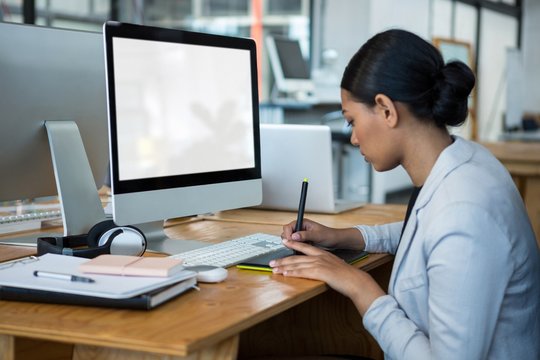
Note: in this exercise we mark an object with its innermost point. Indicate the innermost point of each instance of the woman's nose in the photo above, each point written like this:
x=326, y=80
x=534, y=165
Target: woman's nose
x=354, y=142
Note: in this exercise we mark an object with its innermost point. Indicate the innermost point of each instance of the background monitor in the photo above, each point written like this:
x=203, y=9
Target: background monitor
x=184, y=126
x=291, y=71
x=52, y=74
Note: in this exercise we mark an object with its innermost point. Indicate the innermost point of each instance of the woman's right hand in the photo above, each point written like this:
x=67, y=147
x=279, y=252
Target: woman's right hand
x=325, y=236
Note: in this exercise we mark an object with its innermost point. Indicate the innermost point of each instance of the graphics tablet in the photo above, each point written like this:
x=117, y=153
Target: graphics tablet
x=261, y=262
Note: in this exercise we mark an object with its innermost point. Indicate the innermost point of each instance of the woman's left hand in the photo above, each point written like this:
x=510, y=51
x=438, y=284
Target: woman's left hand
x=318, y=264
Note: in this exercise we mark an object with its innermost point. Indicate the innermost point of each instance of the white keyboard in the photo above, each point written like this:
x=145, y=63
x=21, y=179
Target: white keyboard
x=231, y=252
x=28, y=220
x=38, y=215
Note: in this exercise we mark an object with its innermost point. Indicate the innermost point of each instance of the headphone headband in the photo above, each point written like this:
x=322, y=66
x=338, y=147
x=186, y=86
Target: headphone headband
x=126, y=240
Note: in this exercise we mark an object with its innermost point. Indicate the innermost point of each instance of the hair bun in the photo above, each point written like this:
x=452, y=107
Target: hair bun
x=453, y=86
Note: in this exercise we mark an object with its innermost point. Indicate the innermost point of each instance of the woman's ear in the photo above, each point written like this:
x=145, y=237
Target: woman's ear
x=386, y=108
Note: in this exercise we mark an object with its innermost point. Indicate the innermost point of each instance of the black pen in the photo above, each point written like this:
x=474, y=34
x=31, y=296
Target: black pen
x=60, y=276
x=301, y=206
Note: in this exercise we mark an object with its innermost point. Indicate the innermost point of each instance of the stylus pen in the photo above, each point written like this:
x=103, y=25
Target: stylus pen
x=301, y=206
x=60, y=276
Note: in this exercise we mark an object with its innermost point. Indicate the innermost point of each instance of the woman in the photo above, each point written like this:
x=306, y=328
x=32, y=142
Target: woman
x=466, y=277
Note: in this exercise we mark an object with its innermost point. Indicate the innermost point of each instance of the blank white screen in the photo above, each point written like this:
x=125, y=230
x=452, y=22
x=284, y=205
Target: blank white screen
x=181, y=109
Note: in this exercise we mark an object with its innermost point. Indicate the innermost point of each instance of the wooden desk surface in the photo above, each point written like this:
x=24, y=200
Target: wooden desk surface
x=370, y=214
x=515, y=151
x=194, y=321
x=520, y=158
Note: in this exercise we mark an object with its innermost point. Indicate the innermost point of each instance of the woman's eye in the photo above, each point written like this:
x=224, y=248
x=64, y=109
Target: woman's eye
x=350, y=123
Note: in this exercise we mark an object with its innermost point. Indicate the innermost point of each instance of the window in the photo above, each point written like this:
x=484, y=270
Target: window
x=289, y=18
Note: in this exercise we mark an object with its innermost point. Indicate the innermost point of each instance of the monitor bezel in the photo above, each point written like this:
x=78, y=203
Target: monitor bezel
x=131, y=31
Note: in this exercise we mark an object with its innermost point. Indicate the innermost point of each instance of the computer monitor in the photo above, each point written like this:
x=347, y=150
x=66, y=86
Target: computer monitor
x=291, y=71
x=53, y=92
x=184, y=126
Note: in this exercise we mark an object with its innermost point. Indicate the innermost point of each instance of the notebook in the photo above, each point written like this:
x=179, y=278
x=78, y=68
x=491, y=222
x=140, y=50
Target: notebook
x=146, y=301
x=290, y=153
x=132, y=265
x=21, y=275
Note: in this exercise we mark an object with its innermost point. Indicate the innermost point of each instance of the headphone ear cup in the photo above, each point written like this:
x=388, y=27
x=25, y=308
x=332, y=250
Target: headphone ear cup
x=139, y=247
x=124, y=240
x=97, y=231
x=138, y=231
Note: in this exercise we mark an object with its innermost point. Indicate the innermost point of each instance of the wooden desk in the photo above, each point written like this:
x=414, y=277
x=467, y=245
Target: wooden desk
x=252, y=313
x=522, y=159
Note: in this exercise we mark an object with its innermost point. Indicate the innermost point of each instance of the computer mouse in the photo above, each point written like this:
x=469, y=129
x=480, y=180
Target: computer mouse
x=209, y=273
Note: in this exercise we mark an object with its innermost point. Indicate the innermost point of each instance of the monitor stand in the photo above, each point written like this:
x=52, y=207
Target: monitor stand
x=79, y=199
x=158, y=241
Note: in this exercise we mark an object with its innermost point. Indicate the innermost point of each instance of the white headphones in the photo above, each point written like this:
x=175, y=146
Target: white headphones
x=104, y=238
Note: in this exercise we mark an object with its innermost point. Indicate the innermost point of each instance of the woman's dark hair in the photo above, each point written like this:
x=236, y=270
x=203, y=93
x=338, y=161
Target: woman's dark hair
x=408, y=69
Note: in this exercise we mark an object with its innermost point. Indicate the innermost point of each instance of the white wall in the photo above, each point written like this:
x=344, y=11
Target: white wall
x=340, y=26
x=531, y=55
x=346, y=28
x=498, y=33
x=411, y=15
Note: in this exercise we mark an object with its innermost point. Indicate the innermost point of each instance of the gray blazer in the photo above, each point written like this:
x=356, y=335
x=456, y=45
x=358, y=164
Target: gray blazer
x=466, y=277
